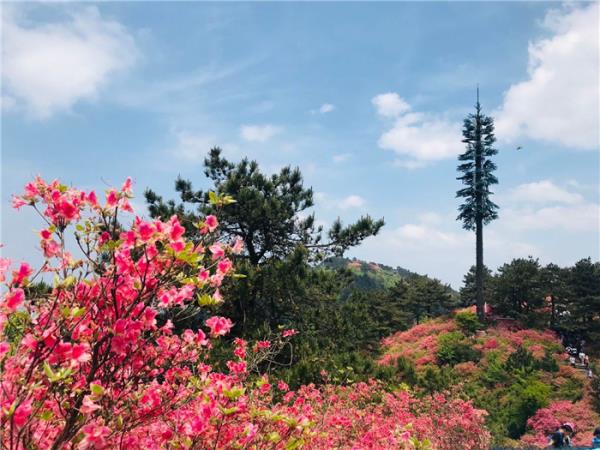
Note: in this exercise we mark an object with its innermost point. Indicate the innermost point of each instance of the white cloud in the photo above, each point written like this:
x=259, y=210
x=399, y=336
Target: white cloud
x=326, y=108
x=543, y=192
x=419, y=138
x=341, y=157
x=352, y=201
x=329, y=202
x=192, y=147
x=542, y=205
x=258, y=133
x=390, y=104
x=571, y=218
x=440, y=248
x=51, y=67
x=560, y=100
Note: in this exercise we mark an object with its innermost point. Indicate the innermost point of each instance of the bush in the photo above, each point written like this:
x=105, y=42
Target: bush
x=452, y=349
x=526, y=398
x=572, y=389
x=521, y=360
x=435, y=379
x=547, y=363
x=406, y=371
x=89, y=365
x=468, y=322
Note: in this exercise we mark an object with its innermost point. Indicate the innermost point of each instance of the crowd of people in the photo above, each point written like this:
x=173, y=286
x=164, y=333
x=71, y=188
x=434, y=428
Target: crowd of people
x=562, y=437
x=577, y=358
x=574, y=346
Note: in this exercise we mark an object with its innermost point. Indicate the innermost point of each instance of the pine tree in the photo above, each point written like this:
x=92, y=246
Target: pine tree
x=477, y=170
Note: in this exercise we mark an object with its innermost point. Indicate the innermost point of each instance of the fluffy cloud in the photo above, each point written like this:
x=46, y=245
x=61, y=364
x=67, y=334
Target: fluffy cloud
x=390, y=104
x=326, y=108
x=418, y=138
x=570, y=218
x=352, y=201
x=258, y=133
x=50, y=67
x=192, y=147
x=329, y=202
x=543, y=192
x=559, y=102
x=441, y=249
x=542, y=205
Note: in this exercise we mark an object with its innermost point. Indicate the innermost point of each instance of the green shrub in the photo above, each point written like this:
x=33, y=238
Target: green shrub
x=547, y=363
x=495, y=372
x=468, y=322
x=435, y=379
x=572, y=389
x=406, y=371
x=525, y=399
x=521, y=360
x=453, y=349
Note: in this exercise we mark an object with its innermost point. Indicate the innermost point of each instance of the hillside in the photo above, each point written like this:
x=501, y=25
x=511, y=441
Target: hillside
x=369, y=275
x=520, y=376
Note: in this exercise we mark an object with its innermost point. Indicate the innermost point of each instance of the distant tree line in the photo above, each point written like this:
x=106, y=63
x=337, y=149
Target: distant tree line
x=563, y=298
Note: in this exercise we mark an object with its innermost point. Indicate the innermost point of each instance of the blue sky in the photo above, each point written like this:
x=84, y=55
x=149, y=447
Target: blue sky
x=366, y=98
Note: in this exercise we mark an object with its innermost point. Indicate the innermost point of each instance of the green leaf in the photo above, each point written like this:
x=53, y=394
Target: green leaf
x=206, y=300
x=294, y=443
x=96, y=389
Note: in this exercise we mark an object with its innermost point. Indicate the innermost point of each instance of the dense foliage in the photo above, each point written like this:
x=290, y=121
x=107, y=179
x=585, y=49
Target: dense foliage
x=292, y=276
x=510, y=371
x=94, y=361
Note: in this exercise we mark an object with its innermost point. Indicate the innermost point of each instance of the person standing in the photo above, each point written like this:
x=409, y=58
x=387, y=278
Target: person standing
x=572, y=360
x=596, y=439
x=562, y=437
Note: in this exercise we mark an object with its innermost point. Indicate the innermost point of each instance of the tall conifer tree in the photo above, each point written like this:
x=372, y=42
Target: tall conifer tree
x=477, y=167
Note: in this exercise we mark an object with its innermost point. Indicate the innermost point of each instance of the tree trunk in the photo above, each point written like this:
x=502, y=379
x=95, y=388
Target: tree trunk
x=479, y=218
x=480, y=302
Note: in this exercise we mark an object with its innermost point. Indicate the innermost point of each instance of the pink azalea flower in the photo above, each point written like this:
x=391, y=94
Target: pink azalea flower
x=94, y=436
x=4, y=265
x=211, y=223
x=80, y=353
x=126, y=188
x=4, y=348
x=24, y=271
x=112, y=198
x=288, y=333
x=217, y=251
x=92, y=199
x=203, y=275
x=238, y=246
x=177, y=230
x=224, y=266
x=14, y=298
x=237, y=367
x=22, y=413
x=88, y=406
x=18, y=202
x=219, y=326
